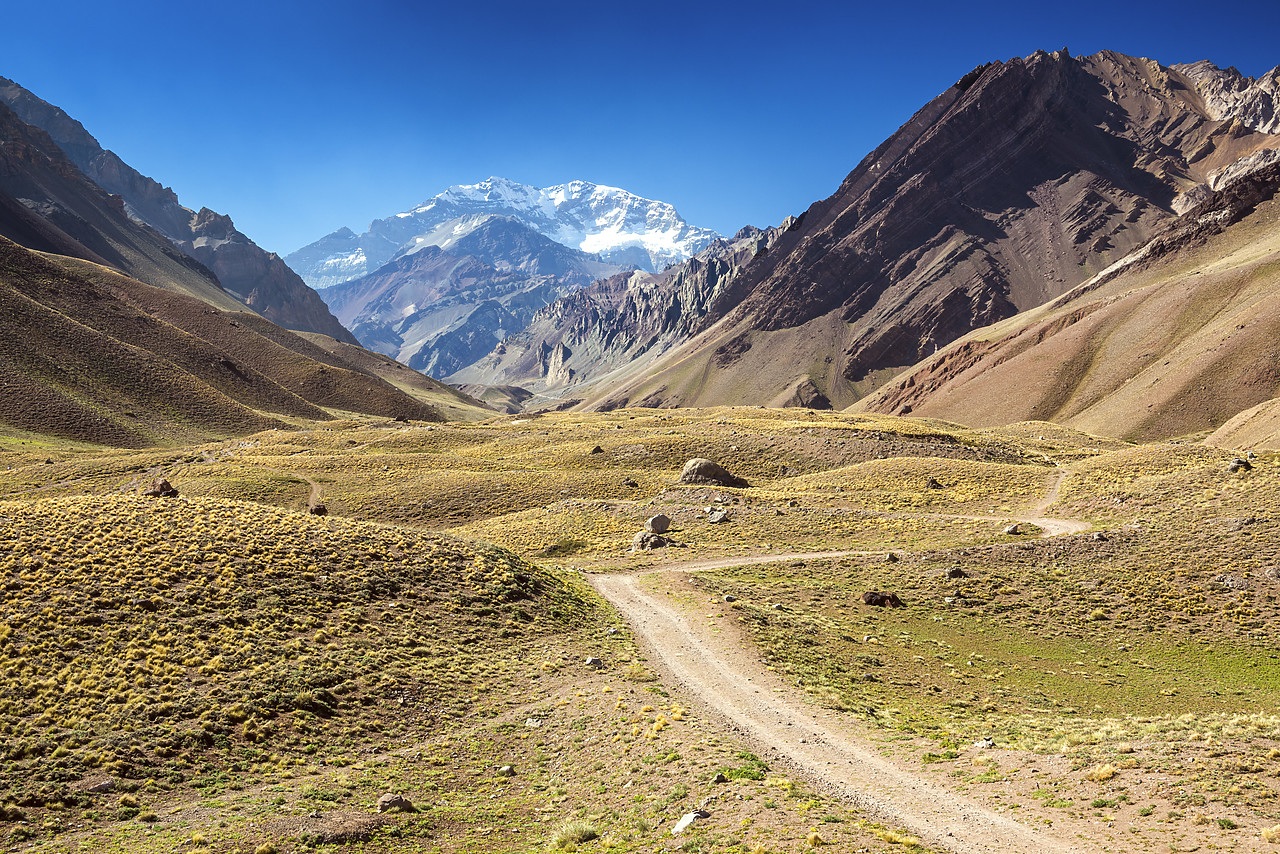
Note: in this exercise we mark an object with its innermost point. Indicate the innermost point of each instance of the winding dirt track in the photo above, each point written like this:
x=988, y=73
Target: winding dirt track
x=721, y=670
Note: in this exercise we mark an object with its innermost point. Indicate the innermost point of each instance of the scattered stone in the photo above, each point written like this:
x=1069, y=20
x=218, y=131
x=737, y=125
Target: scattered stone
x=629, y=483
x=659, y=524
x=532, y=723
x=102, y=787
x=506, y=771
x=793, y=503
x=592, y=661
x=597, y=450
x=985, y=743
x=1231, y=582
x=956, y=572
x=161, y=488
x=1098, y=537
x=729, y=597
x=1251, y=456
x=932, y=483
x=1012, y=529
x=882, y=600
x=719, y=778
x=891, y=558
x=1239, y=464
x=395, y=803
x=778, y=606
x=717, y=516
x=702, y=471
x=317, y=509
x=612, y=630
x=647, y=540
x=687, y=820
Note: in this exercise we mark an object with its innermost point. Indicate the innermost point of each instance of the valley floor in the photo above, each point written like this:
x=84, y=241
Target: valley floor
x=224, y=671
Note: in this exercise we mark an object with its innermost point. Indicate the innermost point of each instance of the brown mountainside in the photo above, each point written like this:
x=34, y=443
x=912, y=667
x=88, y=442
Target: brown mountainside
x=100, y=357
x=1178, y=340
x=258, y=278
x=1015, y=185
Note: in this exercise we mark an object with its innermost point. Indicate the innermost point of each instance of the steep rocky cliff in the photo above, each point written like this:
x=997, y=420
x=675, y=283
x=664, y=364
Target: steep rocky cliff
x=258, y=278
x=623, y=322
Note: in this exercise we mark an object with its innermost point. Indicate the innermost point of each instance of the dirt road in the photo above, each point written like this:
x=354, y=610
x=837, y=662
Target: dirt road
x=723, y=672
x=725, y=676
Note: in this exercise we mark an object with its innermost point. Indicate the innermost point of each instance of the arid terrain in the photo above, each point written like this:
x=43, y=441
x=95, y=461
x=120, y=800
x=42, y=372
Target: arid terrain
x=1084, y=660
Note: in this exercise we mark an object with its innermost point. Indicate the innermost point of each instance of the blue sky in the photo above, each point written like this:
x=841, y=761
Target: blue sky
x=299, y=117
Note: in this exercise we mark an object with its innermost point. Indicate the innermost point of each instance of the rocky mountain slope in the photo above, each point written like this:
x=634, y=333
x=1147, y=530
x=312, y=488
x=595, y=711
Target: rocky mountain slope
x=619, y=325
x=258, y=278
x=115, y=336
x=616, y=226
x=1010, y=188
x=1178, y=339
x=437, y=310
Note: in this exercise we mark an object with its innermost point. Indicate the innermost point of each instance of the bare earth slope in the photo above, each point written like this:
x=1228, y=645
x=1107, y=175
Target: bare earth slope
x=96, y=356
x=1176, y=342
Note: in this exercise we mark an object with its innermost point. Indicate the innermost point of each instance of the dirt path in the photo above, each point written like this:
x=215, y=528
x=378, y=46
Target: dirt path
x=724, y=673
x=726, y=676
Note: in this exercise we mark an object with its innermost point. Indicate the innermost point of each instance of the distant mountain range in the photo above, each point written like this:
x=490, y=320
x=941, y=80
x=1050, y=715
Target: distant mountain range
x=615, y=226
x=439, y=286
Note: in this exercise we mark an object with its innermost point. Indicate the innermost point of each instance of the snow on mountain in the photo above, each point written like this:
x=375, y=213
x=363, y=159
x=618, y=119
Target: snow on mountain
x=619, y=227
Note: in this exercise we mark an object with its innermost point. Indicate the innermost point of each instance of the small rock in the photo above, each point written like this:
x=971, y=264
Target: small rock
x=317, y=510
x=646, y=540
x=1239, y=464
x=1098, y=537
x=729, y=597
x=932, y=483
x=612, y=630
x=793, y=503
x=597, y=450
x=102, y=787
x=506, y=771
x=1012, y=529
x=891, y=558
x=687, y=821
x=659, y=524
x=395, y=803
x=719, y=778
x=717, y=516
x=629, y=483
x=956, y=572
x=532, y=723
x=592, y=661
x=985, y=743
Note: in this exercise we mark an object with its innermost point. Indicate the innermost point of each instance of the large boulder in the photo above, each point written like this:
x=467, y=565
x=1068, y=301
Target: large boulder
x=700, y=471
x=160, y=488
x=659, y=524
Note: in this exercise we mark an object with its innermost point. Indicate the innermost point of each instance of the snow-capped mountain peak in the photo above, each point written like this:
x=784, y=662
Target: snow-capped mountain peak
x=618, y=226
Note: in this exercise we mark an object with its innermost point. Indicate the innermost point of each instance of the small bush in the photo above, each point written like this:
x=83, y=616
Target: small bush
x=1101, y=773
x=572, y=833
